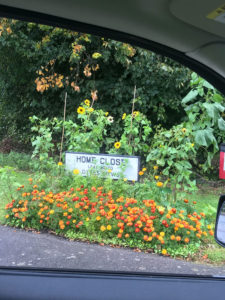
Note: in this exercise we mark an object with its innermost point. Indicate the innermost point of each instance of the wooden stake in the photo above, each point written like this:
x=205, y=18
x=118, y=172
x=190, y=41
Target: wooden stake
x=131, y=123
x=64, y=118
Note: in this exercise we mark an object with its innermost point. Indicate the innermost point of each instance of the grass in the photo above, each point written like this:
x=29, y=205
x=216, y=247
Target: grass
x=21, y=177
x=207, y=200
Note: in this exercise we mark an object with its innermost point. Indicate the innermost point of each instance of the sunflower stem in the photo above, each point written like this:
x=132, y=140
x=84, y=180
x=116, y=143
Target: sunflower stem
x=132, y=115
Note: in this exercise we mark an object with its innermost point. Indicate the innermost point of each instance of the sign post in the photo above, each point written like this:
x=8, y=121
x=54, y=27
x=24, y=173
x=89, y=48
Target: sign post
x=115, y=165
x=222, y=162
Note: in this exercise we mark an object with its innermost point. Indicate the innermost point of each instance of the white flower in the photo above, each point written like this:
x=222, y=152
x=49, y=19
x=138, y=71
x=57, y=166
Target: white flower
x=110, y=119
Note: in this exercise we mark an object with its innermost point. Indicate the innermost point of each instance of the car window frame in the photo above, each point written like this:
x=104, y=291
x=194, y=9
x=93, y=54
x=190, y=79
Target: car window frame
x=30, y=283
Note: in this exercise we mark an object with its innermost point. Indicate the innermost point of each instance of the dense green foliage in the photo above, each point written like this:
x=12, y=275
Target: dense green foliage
x=41, y=63
x=41, y=66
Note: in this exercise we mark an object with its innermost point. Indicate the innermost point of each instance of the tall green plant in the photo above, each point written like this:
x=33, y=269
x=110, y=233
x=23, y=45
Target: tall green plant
x=205, y=110
x=171, y=151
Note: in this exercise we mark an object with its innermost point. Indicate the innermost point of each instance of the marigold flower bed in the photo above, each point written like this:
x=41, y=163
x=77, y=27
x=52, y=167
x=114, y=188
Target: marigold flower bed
x=95, y=211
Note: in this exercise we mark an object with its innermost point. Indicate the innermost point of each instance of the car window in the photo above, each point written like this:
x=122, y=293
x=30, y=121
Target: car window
x=109, y=156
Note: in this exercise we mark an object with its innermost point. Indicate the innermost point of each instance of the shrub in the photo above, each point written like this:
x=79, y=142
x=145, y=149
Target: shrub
x=20, y=161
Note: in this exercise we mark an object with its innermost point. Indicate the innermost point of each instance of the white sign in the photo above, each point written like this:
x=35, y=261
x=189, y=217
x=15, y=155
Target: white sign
x=116, y=166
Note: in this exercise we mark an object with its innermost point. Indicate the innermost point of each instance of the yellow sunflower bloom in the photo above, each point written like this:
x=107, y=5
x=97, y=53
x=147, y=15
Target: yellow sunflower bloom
x=124, y=116
x=117, y=145
x=87, y=102
x=81, y=110
x=90, y=110
x=135, y=113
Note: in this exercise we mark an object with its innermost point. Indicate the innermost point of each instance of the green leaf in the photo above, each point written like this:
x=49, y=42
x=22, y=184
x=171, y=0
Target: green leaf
x=208, y=85
x=213, y=110
x=190, y=96
x=221, y=124
x=217, y=98
x=205, y=137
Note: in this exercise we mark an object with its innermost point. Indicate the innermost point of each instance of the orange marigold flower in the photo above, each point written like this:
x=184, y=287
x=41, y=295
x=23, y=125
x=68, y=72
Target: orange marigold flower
x=76, y=172
x=102, y=228
x=145, y=238
x=159, y=184
x=164, y=251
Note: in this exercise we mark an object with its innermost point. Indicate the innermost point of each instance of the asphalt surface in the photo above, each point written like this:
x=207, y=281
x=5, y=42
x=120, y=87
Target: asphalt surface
x=20, y=248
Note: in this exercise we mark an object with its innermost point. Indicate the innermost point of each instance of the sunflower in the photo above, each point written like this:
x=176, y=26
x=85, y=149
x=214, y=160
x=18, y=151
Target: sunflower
x=87, y=102
x=81, y=110
x=124, y=116
x=135, y=113
x=117, y=145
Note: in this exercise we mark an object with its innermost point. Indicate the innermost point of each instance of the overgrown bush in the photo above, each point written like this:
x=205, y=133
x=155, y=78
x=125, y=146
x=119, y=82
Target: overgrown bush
x=20, y=161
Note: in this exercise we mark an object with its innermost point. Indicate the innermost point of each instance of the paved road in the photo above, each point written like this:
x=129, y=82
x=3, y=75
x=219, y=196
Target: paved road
x=29, y=249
